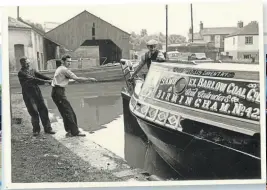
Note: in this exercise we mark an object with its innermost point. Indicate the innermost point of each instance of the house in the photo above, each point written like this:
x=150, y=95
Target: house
x=90, y=38
x=27, y=40
x=215, y=35
x=244, y=43
x=196, y=38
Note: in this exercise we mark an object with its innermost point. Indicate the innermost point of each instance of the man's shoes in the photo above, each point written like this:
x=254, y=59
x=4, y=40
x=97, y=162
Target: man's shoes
x=79, y=134
x=50, y=132
x=68, y=134
x=35, y=134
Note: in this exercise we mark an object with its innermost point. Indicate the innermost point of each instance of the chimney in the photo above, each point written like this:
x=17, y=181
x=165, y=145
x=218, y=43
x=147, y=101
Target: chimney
x=17, y=12
x=240, y=24
x=201, y=25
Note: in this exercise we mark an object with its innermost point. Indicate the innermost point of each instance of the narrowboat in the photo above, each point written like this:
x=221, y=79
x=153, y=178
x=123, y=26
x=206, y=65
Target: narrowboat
x=202, y=117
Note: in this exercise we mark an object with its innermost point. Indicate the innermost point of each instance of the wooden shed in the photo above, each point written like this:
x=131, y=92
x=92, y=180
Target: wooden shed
x=107, y=43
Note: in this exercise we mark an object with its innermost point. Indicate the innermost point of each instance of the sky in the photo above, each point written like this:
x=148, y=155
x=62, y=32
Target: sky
x=134, y=17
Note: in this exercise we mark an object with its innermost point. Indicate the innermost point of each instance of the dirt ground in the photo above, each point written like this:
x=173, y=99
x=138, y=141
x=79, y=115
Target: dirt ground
x=44, y=159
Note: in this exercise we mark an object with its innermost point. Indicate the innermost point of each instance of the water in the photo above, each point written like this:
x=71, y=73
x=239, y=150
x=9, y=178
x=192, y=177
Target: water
x=92, y=111
x=102, y=115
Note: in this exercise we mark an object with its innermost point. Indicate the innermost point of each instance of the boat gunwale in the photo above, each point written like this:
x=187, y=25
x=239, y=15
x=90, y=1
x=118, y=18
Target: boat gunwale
x=242, y=67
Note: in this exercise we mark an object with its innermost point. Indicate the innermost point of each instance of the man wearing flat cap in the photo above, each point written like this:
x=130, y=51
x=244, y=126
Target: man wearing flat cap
x=152, y=55
x=29, y=80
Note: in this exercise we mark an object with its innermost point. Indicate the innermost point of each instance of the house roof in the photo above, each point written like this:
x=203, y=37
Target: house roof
x=218, y=30
x=197, y=36
x=189, y=44
x=251, y=29
x=32, y=26
x=85, y=11
x=23, y=24
x=14, y=23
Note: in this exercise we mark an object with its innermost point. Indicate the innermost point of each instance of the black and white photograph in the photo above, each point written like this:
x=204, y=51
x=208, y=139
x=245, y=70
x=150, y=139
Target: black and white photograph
x=137, y=94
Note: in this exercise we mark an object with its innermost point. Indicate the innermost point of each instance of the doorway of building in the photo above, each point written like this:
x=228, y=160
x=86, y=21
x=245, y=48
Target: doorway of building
x=39, y=61
x=19, y=53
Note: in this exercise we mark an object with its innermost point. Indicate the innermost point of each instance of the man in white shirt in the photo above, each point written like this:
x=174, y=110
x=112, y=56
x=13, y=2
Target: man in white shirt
x=59, y=82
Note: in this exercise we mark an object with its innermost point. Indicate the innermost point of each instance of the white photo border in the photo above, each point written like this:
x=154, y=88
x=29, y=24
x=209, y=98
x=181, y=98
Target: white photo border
x=6, y=118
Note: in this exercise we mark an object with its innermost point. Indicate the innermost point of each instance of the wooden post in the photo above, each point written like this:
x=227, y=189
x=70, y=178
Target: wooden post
x=166, y=29
x=17, y=12
x=192, y=25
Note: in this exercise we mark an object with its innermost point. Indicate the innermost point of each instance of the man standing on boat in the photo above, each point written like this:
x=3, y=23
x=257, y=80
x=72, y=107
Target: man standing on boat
x=152, y=55
x=32, y=96
x=60, y=81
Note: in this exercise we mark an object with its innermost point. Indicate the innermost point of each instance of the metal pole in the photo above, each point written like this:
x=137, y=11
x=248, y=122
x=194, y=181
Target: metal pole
x=166, y=28
x=192, y=22
x=17, y=12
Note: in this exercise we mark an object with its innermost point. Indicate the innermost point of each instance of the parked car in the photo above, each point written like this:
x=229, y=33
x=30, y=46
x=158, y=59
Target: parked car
x=197, y=56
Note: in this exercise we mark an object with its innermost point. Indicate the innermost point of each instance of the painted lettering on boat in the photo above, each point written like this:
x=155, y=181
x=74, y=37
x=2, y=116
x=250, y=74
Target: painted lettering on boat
x=234, y=98
x=203, y=73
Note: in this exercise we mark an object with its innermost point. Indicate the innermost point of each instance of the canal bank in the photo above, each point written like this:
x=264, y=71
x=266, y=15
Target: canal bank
x=59, y=159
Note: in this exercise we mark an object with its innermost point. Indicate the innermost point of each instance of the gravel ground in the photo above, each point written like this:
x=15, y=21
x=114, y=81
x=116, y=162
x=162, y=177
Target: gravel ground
x=44, y=159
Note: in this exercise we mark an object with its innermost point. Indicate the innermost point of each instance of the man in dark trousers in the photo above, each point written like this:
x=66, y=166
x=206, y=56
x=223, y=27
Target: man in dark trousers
x=29, y=80
x=60, y=81
x=152, y=55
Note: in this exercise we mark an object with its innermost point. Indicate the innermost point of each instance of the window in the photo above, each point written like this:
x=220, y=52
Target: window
x=42, y=59
x=223, y=38
x=248, y=40
x=93, y=30
x=233, y=40
x=212, y=38
x=247, y=56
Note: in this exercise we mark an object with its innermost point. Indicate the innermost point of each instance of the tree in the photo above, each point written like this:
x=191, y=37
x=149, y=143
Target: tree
x=176, y=39
x=143, y=32
x=133, y=35
x=138, y=41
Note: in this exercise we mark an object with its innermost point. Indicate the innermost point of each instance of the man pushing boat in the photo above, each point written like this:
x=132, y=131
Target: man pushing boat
x=152, y=55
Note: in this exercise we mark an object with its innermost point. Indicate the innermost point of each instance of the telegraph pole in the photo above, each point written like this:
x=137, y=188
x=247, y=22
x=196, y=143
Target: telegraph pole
x=166, y=29
x=17, y=12
x=192, y=22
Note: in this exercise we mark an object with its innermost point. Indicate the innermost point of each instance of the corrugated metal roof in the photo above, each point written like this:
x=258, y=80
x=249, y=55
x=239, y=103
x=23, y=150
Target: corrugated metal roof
x=16, y=24
x=251, y=29
x=218, y=30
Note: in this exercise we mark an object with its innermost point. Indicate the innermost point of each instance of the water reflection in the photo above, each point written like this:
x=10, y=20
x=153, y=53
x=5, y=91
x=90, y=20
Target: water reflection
x=140, y=154
x=93, y=111
x=102, y=112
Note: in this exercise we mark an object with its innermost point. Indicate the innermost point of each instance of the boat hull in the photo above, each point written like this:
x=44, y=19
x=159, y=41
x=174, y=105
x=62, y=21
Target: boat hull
x=198, y=159
x=191, y=157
